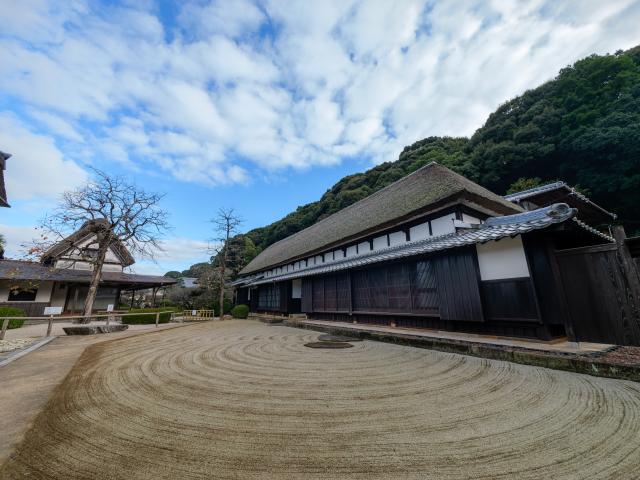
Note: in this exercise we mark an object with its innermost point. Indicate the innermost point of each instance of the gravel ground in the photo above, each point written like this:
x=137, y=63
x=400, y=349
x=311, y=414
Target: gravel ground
x=15, y=344
x=244, y=400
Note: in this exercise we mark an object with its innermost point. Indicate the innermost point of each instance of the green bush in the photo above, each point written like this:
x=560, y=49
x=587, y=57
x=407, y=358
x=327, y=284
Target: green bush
x=146, y=319
x=240, y=311
x=228, y=305
x=12, y=312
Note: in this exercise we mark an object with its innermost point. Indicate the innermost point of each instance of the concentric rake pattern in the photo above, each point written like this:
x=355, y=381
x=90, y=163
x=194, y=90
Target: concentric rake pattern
x=241, y=400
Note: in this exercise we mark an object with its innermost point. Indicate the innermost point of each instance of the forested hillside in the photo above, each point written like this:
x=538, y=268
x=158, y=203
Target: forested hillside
x=582, y=127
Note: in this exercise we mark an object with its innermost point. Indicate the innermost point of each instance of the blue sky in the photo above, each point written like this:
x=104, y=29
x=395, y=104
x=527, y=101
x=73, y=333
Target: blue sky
x=260, y=105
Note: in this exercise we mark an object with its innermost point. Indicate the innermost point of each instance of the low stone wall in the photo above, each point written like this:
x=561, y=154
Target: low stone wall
x=594, y=364
x=94, y=329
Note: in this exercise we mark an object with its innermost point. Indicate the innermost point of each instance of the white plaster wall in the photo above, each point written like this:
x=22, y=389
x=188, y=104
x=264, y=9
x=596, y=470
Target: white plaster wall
x=443, y=225
x=112, y=268
x=364, y=247
x=42, y=295
x=338, y=254
x=4, y=292
x=380, y=242
x=351, y=251
x=44, y=292
x=502, y=259
x=470, y=219
x=59, y=295
x=296, y=288
x=419, y=232
x=397, y=238
x=318, y=259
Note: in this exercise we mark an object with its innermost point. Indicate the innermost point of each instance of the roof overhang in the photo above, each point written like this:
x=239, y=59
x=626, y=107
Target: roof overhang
x=557, y=192
x=494, y=228
x=17, y=270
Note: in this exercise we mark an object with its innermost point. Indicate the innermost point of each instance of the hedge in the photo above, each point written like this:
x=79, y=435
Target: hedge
x=240, y=311
x=146, y=319
x=12, y=312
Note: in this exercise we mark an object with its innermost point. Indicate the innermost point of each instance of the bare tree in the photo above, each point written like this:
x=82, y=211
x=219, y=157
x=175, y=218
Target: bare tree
x=116, y=212
x=226, y=224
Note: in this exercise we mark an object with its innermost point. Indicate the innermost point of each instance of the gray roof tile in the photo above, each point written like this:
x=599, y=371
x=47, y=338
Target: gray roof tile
x=494, y=228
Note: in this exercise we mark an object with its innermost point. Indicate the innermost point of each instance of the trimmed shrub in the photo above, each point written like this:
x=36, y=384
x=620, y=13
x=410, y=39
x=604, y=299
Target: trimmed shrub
x=12, y=312
x=240, y=311
x=146, y=319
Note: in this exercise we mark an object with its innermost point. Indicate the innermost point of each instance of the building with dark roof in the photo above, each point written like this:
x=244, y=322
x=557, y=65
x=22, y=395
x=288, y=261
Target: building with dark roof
x=436, y=250
x=61, y=278
x=3, y=192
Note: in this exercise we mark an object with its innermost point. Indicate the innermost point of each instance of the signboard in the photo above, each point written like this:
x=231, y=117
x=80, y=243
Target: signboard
x=110, y=307
x=52, y=310
x=193, y=313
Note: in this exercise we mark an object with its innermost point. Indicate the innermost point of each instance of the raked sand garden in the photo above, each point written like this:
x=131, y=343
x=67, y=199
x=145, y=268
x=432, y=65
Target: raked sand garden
x=242, y=399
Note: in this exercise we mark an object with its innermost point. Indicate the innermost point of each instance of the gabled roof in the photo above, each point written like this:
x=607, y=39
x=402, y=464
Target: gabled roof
x=494, y=228
x=561, y=192
x=87, y=230
x=3, y=191
x=427, y=189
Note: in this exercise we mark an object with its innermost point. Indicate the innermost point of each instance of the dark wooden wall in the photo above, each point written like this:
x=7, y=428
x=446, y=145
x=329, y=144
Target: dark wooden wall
x=458, y=280
x=445, y=285
x=510, y=300
x=242, y=297
x=601, y=305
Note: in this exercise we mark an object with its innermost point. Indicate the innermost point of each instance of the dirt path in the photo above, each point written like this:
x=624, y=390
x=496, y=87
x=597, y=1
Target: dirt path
x=241, y=399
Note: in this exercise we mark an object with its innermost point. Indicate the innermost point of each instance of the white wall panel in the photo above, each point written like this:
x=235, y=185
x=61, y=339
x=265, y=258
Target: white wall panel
x=502, y=259
x=470, y=219
x=380, y=242
x=419, y=232
x=364, y=247
x=351, y=251
x=443, y=225
x=397, y=238
x=44, y=292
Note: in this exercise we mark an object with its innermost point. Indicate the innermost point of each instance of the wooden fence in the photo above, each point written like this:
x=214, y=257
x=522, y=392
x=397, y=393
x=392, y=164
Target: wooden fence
x=110, y=317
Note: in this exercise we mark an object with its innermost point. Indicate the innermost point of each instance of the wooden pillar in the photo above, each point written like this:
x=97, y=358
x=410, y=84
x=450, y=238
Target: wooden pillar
x=75, y=299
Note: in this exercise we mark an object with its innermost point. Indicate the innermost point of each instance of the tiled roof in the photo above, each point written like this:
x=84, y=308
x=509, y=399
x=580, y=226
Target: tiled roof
x=23, y=270
x=417, y=193
x=494, y=228
x=561, y=192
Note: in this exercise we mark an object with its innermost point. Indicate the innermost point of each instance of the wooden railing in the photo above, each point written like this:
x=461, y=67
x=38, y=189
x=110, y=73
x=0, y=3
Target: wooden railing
x=110, y=317
x=197, y=315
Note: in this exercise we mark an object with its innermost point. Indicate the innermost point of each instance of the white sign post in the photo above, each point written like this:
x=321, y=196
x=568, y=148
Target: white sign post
x=51, y=311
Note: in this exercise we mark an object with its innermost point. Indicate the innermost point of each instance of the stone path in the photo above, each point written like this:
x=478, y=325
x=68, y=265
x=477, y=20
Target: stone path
x=245, y=400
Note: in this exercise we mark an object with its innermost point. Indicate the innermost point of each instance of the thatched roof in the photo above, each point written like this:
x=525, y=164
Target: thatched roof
x=427, y=189
x=3, y=192
x=87, y=230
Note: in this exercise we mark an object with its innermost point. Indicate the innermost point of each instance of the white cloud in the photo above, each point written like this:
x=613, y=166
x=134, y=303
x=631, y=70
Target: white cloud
x=38, y=168
x=18, y=239
x=279, y=83
x=178, y=253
